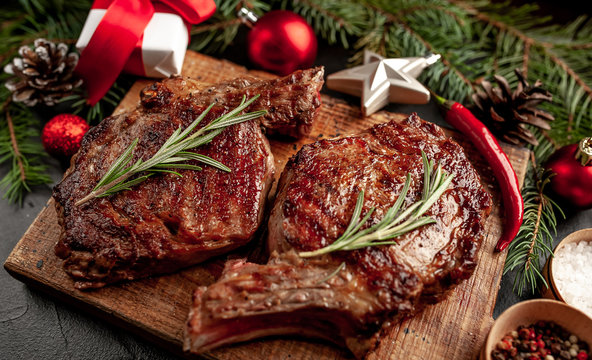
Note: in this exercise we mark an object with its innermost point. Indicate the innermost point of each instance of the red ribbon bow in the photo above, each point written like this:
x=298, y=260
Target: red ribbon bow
x=119, y=31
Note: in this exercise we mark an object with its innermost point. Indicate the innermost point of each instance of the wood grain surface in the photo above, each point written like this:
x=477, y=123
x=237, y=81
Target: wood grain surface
x=156, y=308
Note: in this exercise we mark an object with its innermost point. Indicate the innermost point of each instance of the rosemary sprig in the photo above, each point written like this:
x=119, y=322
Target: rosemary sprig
x=171, y=153
x=396, y=221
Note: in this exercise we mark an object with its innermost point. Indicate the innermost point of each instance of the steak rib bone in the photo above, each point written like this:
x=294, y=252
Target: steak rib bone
x=289, y=295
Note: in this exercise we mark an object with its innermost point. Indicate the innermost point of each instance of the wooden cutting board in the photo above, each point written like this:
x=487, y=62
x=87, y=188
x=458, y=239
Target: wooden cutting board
x=157, y=307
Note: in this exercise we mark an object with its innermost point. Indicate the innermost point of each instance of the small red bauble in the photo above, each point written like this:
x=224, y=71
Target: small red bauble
x=572, y=165
x=62, y=135
x=282, y=41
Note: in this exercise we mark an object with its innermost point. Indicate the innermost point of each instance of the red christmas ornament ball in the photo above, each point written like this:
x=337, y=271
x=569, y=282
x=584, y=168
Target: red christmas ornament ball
x=282, y=42
x=572, y=166
x=62, y=135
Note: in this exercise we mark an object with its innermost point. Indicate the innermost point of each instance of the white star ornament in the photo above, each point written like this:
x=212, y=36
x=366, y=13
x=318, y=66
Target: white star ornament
x=380, y=81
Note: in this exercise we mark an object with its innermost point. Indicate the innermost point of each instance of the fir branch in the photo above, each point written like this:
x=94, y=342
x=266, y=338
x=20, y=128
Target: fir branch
x=332, y=19
x=58, y=20
x=400, y=29
x=20, y=148
x=105, y=106
x=535, y=239
x=579, y=46
x=31, y=19
x=15, y=146
x=570, y=72
x=530, y=41
x=430, y=7
x=214, y=27
x=210, y=36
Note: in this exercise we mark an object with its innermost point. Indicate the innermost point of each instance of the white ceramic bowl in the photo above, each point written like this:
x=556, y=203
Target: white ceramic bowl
x=552, y=292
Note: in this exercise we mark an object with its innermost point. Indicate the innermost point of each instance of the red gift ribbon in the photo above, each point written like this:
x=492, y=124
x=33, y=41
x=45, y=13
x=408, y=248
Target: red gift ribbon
x=118, y=33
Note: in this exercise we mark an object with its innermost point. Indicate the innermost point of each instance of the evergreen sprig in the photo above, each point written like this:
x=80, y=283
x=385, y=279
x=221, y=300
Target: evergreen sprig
x=332, y=20
x=218, y=32
x=534, y=242
x=21, y=150
x=20, y=24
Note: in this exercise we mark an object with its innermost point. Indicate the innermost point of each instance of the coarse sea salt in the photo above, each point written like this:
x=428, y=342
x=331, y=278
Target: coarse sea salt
x=572, y=269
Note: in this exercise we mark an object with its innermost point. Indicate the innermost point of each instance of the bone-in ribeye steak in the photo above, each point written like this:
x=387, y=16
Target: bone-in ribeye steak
x=169, y=222
x=316, y=197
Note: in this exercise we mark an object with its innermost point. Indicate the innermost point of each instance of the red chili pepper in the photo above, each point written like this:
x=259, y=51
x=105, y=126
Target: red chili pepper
x=464, y=121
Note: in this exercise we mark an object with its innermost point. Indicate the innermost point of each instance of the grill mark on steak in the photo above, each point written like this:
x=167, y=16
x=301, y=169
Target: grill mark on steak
x=316, y=196
x=290, y=101
x=169, y=222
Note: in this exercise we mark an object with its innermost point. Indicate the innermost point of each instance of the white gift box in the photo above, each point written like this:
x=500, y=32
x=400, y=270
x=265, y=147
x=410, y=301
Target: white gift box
x=160, y=51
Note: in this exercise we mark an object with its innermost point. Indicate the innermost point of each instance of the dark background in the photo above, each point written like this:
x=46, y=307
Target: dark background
x=33, y=325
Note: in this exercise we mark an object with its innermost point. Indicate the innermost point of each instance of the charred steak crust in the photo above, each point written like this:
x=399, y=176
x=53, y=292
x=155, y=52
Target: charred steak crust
x=316, y=196
x=290, y=101
x=169, y=222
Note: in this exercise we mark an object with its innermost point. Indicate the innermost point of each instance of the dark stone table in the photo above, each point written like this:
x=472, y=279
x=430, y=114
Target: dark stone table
x=33, y=325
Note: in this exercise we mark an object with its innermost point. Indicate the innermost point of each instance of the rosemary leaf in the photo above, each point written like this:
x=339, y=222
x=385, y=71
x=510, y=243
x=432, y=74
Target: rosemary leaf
x=127, y=184
x=333, y=273
x=394, y=223
x=115, y=171
x=177, y=166
x=170, y=155
x=204, y=159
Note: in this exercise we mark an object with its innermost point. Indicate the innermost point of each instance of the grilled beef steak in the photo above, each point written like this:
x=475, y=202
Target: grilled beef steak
x=169, y=222
x=346, y=296
x=290, y=101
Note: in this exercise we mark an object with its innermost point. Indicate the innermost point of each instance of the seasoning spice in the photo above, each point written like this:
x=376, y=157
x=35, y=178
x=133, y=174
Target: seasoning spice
x=572, y=267
x=544, y=340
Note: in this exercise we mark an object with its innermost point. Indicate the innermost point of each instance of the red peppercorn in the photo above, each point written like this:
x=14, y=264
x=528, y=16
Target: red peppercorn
x=508, y=339
x=582, y=355
x=523, y=333
x=541, y=344
x=513, y=351
x=504, y=345
x=531, y=333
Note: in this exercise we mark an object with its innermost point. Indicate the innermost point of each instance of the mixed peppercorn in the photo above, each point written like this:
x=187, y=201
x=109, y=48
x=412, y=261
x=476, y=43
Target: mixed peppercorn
x=543, y=340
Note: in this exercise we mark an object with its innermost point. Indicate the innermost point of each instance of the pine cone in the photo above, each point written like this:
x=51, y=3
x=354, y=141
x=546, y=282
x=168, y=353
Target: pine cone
x=43, y=74
x=506, y=113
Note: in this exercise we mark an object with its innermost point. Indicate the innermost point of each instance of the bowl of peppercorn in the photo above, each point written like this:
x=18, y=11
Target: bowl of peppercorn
x=540, y=329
